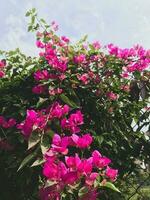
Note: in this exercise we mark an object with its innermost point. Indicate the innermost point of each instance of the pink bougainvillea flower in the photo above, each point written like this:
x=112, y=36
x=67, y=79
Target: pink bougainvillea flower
x=41, y=75
x=90, y=179
x=39, y=34
x=54, y=25
x=82, y=142
x=27, y=126
x=80, y=59
x=125, y=88
x=7, y=124
x=84, y=78
x=31, y=116
x=60, y=144
x=76, y=118
x=39, y=44
x=65, y=39
x=26, y=129
x=2, y=64
x=147, y=108
x=96, y=45
x=111, y=173
x=11, y=122
x=72, y=162
x=51, y=192
x=55, y=91
x=58, y=171
x=112, y=96
x=62, y=77
x=2, y=120
x=91, y=74
x=73, y=128
x=56, y=139
x=132, y=68
x=50, y=170
x=96, y=156
x=148, y=53
x=58, y=111
x=62, y=169
x=56, y=62
x=103, y=162
x=39, y=89
x=113, y=50
x=65, y=109
x=70, y=178
x=73, y=123
x=100, y=161
x=124, y=75
x=85, y=167
x=2, y=74
x=41, y=54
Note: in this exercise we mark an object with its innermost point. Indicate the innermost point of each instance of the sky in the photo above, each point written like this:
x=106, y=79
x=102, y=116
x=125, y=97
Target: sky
x=122, y=22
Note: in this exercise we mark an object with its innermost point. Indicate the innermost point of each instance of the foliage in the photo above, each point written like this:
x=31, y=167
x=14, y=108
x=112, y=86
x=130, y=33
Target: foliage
x=64, y=104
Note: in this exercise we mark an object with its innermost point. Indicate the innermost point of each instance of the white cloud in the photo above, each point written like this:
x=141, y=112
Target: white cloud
x=16, y=36
x=123, y=22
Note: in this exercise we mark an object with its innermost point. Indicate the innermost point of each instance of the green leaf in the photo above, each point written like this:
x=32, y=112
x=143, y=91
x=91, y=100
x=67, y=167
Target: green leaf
x=34, y=139
x=28, y=159
x=50, y=183
x=32, y=20
x=63, y=195
x=96, y=183
x=109, y=143
x=33, y=10
x=83, y=39
x=99, y=139
x=45, y=144
x=28, y=13
x=69, y=190
x=82, y=191
x=41, y=101
x=29, y=28
x=66, y=100
x=43, y=21
x=38, y=162
x=74, y=97
x=111, y=186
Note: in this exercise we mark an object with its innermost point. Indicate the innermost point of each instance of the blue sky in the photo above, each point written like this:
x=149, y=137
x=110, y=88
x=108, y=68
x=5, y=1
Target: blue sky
x=123, y=22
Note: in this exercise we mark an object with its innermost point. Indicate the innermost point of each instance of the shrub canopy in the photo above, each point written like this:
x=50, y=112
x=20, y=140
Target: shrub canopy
x=59, y=107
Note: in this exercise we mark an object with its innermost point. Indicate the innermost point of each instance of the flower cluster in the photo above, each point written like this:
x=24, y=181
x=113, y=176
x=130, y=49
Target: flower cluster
x=7, y=123
x=66, y=171
x=61, y=144
x=34, y=120
x=136, y=58
x=62, y=166
x=44, y=75
x=73, y=122
x=57, y=62
x=90, y=70
x=2, y=66
x=37, y=120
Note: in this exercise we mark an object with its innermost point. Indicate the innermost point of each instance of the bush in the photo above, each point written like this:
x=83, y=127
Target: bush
x=58, y=110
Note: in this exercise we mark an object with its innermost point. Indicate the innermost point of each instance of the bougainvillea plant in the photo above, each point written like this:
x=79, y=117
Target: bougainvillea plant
x=63, y=167
x=72, y=118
